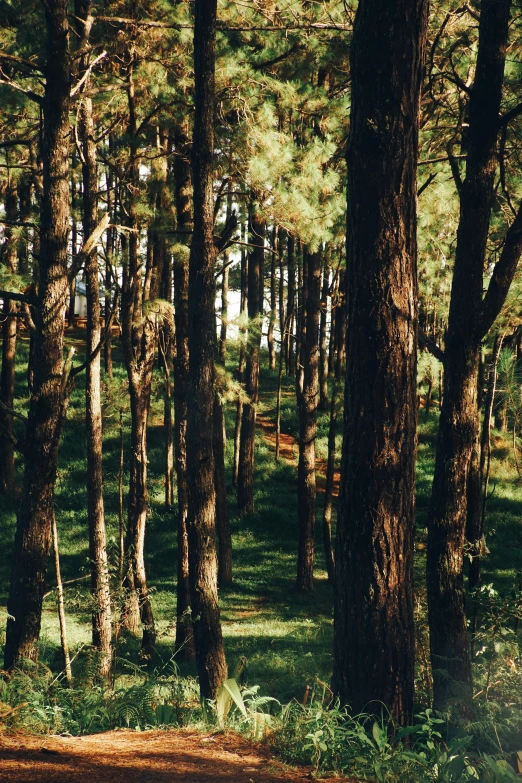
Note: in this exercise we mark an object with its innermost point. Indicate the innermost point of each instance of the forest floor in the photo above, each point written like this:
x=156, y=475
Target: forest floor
x=289, y=450
x=126, y=756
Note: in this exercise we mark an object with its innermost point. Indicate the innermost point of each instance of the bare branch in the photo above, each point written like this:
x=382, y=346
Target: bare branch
x=85, y=76
x=503, y=275
x=88, y=246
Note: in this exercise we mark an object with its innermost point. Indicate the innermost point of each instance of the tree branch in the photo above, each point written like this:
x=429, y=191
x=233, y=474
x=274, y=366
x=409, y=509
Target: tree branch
x=426, y=184
x=506, y=118
x=425, y=341
x=12, y=412
x=21, y=61
x=29, y=93
x=503, y=275
x=87, y=73
x=88, y=247
x=17, y=297
x=81, y=367
x=229, y=228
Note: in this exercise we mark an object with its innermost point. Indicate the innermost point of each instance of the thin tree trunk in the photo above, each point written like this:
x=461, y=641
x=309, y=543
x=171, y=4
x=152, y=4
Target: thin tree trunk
x=245, y=485
x=222, y=516
x=241, y=367
x=46, y=407
x=165, y=344
x=281, y=291
x=279, y=394
x=328, y=492
x=136, y=580
x=470, y=317
x=139, y=335
x=477, y=534
x=340, y=327
x=273, y=303
x=109, y=252
x=290, y=308
x=224, y=290
x=7, y=372
x=333, y=316
x=121, y=526
x=323, y=343
x=100, y=588
x=61, y=608
x=373, y=617
x=74, y=245
x=210, y=652
x=300, y=328
x=182, y=185
x=307, y=406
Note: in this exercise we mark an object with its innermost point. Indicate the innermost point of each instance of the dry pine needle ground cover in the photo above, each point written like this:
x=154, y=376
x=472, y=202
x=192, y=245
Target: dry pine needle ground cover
x=140, y=757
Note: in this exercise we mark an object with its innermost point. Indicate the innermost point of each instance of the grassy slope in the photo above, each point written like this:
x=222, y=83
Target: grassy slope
x=285, y=637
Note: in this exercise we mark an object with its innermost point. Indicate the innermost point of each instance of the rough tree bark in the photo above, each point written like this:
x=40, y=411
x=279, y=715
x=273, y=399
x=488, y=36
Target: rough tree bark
x=210, y=652
x=100, y=588
x=373, y=620
x=182, y=194
x=307, y=402
x=46, y=407
x=470, y=318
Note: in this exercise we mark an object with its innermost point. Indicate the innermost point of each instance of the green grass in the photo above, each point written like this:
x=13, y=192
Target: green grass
x=286, y=637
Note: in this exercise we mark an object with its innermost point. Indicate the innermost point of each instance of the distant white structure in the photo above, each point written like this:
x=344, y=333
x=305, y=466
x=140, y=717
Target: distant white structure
x=80, y=300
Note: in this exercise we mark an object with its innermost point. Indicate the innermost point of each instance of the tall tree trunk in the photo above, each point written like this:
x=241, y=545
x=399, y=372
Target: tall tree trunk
x=333, y=329
x=340, y=327
x=46, y=407
x=7, y=372
x=273, y=302
x=290, y=307
x=323, y=343
x=139, y=336
x=224, y=290
x=61, y=607
x=307, y=405
x=210, y=652
x=136, y=580
x=241, y=365
x=300, y=329
x=182, y=192
x=166, y=354
x=485, y=445
x=109, y=255
x=281, y=293
x=470, y=318
x=222, y=516
x=245, y=485
x=100, y=588
x=328, y=492
x=373, y=620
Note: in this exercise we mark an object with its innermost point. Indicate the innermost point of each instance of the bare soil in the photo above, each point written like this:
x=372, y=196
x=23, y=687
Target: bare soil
x=140, y=757
x=289, y=451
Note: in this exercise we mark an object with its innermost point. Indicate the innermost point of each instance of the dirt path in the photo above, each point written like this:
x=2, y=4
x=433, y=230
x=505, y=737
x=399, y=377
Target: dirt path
x=140, y=757
x=289, y=450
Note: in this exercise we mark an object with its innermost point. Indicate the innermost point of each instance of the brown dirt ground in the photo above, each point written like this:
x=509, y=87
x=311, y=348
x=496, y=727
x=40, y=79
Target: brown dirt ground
x=289, y=450
x=140, y=757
